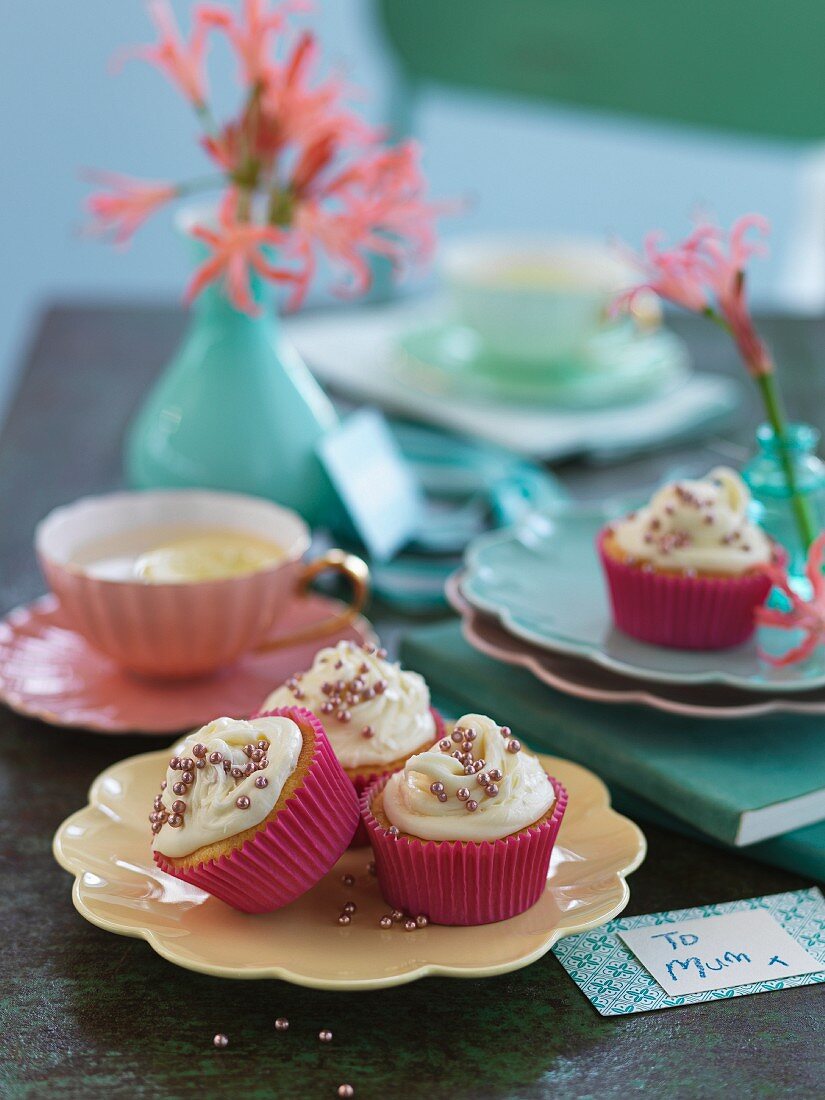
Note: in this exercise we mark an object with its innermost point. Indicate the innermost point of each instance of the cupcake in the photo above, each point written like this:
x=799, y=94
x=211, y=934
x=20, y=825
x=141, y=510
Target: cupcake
x=254, y=812
x=375, y=713
x=464, y=833
x=689, y=569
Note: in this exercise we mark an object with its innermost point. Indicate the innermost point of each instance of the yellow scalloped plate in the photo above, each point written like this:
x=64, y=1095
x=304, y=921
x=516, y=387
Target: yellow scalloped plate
x=118, y=887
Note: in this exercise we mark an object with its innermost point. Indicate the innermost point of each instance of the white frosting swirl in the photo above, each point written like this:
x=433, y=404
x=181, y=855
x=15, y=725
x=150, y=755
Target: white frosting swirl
x=699, y=526
x=524, y=793
x=212, y=812
x=383, y=713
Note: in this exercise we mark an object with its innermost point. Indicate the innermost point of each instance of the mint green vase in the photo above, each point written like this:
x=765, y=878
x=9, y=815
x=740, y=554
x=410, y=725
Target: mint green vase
x=236, y=409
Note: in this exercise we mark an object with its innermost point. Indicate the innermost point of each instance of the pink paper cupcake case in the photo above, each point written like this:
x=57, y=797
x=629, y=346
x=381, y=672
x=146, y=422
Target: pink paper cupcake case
x=296, y=848
x=669, y=609
x=463, y=883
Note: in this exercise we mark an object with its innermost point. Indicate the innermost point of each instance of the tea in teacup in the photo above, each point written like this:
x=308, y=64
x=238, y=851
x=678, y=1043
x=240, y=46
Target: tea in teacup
x=180, y=554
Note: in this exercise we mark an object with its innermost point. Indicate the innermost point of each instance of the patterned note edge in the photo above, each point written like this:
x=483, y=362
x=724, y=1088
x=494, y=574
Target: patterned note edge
x=613, y=979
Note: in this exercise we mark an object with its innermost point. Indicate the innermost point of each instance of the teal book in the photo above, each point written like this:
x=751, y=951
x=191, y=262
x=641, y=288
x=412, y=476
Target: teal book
x=740, y=782
x=802, y=850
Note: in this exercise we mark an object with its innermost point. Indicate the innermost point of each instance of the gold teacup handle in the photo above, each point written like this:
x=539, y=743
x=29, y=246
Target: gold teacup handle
x=348, y=565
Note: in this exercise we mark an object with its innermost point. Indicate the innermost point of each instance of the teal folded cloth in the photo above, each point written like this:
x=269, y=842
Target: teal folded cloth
x=742, y=783
x=468, y=488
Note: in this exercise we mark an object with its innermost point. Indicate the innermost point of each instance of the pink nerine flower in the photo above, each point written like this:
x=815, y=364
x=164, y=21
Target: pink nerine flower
x=125, y=206
x=674, y=274
x=181, y=61
x=706, y=274
x=724, y=272
x=251, y=33
x=237, y=250
x=376, y=206
x=805, y=615
x=307, y=112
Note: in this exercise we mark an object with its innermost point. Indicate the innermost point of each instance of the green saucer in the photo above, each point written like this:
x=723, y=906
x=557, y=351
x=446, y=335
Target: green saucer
x=619, y=365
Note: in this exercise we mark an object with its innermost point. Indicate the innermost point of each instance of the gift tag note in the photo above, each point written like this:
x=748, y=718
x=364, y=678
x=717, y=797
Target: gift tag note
x=374, y=484
x=733, y=949
x=663, y=960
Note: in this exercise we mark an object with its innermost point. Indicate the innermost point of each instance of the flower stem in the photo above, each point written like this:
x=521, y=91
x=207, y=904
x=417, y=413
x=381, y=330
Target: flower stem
x=201, y=183
x=776, y=419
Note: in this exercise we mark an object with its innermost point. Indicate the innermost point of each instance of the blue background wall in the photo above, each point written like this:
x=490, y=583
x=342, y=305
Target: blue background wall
x=61, y=109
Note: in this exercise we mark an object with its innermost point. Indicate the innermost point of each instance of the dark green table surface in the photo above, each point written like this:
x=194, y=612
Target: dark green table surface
x=87, y=1014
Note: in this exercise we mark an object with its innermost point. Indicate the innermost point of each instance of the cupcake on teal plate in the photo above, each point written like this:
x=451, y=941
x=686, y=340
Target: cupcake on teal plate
x=690, y=568
x=463, y=834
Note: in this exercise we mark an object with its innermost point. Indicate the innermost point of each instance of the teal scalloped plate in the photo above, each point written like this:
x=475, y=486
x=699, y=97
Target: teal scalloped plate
x=542, y=580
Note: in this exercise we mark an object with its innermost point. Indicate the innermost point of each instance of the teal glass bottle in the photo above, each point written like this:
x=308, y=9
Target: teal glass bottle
x=768, y=486
x=235, y=409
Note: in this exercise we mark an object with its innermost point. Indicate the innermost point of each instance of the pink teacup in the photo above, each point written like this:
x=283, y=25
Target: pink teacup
x=175, y=630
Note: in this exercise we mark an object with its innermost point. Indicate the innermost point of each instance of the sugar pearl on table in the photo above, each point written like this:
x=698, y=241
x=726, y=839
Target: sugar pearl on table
x=385, y=922
x=397, y=915
x=344, y=919
x=348, y=880
x=346, y=1092
x=350, y=907
x=281, y=1024
x=410, y=925
x=325, y=1036
x=421, y=921
x=220, y=1041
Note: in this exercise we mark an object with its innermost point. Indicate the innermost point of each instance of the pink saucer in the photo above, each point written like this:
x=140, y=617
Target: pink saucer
x=49, y=671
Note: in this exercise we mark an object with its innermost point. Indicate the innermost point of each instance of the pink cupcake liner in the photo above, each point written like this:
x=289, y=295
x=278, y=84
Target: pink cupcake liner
x=361, y=782
x=459, y=882
x=296, y=848
x=669, y=609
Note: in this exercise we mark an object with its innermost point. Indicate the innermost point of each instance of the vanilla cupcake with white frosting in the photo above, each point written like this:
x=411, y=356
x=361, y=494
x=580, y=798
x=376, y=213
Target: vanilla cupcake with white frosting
x=464, y=833
x=375, y=713
x=689, y=569
x=239, y=800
